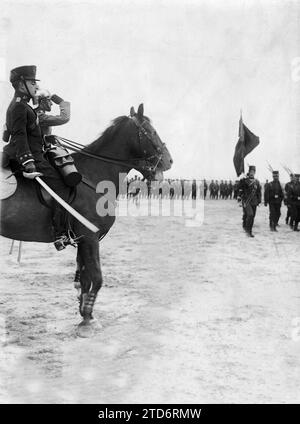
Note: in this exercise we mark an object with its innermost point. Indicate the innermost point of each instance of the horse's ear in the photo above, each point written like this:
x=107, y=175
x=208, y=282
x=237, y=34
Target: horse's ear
x=140, y=111
x=132, y=111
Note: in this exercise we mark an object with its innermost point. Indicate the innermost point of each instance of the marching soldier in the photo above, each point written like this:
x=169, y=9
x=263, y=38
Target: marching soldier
x=287, y=189
x=249, y=192
x=26, y=144
x=273, y=197
x=294, y=200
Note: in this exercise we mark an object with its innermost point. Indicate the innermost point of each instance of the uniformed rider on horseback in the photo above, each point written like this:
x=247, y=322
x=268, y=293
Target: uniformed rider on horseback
x=26, y=145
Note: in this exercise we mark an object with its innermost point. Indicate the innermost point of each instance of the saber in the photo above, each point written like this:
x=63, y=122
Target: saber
x=69, y=208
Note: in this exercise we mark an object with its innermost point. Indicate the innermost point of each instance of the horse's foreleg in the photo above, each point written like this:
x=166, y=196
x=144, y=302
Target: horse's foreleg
x=77, y=283
x=90, y=276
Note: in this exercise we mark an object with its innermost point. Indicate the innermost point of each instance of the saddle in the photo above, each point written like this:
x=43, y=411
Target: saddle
x=10, y=171
x=8, y=181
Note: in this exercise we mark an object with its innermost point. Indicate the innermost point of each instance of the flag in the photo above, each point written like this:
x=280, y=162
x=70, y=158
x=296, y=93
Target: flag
x=246, y=143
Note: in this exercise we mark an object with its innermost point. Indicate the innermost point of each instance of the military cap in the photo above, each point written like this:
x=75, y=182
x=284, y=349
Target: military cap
x=252, y=168
x=23, y=72
x=297, y=175
x=275, y=172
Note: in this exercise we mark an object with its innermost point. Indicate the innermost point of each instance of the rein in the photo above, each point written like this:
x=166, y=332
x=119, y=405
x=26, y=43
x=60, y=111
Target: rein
x=141, y=164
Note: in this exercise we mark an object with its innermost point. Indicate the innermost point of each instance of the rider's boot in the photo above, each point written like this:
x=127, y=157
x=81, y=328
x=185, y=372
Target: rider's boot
x=60, y=235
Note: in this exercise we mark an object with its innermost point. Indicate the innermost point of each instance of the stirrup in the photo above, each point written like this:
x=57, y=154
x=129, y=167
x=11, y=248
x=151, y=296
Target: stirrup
x=72, y=239
x=61, y=243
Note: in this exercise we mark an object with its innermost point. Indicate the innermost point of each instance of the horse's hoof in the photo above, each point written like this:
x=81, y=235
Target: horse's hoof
x=88, y=328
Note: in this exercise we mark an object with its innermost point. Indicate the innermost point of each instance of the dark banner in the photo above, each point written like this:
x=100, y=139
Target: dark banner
x=246, y=143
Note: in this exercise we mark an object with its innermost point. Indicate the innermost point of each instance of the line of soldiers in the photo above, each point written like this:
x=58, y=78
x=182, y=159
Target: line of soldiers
x=250, y=195
x=168, y=188
x=184, y=189
x=224, y=190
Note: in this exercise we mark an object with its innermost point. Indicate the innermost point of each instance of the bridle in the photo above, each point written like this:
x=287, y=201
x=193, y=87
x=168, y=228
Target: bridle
x=144, y=163
x=142, y=132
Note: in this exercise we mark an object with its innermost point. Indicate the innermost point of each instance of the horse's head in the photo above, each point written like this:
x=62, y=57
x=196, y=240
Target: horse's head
x=152, y=152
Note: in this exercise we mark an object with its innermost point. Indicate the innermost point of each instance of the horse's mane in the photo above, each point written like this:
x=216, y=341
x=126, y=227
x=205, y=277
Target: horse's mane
x=110, y=132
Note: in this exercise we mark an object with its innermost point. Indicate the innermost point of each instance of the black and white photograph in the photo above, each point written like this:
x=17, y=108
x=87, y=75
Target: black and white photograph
x=150, y=203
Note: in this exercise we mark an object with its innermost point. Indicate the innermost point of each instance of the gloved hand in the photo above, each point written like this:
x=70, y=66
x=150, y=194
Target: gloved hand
x=56, y=99
x=30, y=171
x=29, y=167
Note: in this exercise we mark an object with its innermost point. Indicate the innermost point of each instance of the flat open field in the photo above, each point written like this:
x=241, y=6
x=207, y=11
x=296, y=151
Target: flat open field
x=188, y=314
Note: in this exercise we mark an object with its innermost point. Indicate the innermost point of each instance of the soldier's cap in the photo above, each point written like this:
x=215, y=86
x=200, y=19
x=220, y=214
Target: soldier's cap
x=275, y=172
x=297, y=175
x=252, y=168
x=23, y=73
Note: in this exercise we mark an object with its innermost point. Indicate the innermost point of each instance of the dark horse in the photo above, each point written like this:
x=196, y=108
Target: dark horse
x=130, y=142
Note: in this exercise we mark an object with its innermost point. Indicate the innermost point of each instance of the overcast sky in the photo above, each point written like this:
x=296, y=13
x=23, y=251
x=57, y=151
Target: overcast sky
x=194, y=65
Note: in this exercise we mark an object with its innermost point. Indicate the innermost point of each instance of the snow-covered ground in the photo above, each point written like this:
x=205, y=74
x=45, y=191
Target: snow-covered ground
x=188, y=314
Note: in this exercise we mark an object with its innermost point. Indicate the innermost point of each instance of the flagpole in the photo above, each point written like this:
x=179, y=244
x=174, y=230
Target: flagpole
x=241, y=135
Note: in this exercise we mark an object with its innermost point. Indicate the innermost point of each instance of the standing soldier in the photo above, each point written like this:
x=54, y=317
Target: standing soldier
x=205, y=188
x=249, y=192
x=226, y=190
x=211, y=189
x=222, y=190
x=273, y=197
x=216, y=190
x=194, y=189
x=230, y=189
x=235, y=189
